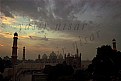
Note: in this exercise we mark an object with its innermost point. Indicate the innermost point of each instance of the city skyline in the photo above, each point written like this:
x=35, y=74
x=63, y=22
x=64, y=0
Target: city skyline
x=90, y=24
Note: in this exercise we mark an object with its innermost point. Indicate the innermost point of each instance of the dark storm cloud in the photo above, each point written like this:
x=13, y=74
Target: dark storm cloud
x=7, y=13
x=21, y=7
x=102, y=20
x=64, y=9
x=61, y=11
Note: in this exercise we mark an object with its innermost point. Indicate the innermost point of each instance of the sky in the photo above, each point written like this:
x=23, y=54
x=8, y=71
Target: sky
x=44, y=26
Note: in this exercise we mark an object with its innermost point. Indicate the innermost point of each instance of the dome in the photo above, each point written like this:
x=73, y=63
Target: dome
x=44, y=56
x=113, y=40
x=53, y=55
x=15, y=34
x=60, y=56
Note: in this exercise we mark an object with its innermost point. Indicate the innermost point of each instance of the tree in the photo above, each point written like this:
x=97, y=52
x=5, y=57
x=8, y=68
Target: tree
x=1, y=65
x=105, y=65
x=81, y=75
x=58, y=72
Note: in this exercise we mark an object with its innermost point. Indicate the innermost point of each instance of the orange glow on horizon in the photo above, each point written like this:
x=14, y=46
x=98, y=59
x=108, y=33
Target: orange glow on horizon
x=1, y=45
x=8, y=20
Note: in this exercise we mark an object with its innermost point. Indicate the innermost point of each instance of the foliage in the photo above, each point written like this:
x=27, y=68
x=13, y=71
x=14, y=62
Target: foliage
x=106, y=65
x=58, y=72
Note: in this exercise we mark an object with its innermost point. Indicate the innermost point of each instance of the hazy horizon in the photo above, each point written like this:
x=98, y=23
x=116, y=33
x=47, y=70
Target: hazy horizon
x=59, y=24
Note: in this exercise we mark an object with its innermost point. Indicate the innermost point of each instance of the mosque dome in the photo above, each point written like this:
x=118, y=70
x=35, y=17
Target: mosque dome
x=44, y=56
x=60, y=56
x=15, y=34
x=53, y=55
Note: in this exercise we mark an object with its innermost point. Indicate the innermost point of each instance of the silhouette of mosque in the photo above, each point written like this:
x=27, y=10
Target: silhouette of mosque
x=73, y=60
x=114, y=44
x=23, y=53
x=52, y=60
x=14, y=48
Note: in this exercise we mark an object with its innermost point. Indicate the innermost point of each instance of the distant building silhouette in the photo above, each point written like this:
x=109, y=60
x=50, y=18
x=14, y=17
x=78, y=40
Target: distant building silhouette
x=23, y=53
x=73, y=60
x=69, y=59
x=60, y=58
x=14, y=48
x=38, y=60
x=44, y=58
x=114, y=44
x=77, y=50
x=39, y=57
x=53, y=57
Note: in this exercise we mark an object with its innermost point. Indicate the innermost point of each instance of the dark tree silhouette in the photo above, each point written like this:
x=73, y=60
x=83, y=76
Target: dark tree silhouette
x=58, y=72
x=4, y=63
x=106, y=65
x=81, y=75
x=1, y=77
x=7, y=63
x=1, y=65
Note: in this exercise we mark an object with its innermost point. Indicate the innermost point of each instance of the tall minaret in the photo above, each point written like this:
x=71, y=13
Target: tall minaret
x=39, y=57
x=14, y=48
x=80, y=60
x=65, y=57
x=77, y=51
x=23, y=53
x=114, y=44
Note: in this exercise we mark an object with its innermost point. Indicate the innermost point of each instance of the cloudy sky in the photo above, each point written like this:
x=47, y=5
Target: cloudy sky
x=53, y=25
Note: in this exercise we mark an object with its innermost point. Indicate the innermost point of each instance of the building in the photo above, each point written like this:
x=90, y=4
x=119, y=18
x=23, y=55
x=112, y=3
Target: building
x=60, y=58
x=73, y=60
x=24, y=54
x=114, y=44
x=53, y=57
x=44, y=58
x=14, y=48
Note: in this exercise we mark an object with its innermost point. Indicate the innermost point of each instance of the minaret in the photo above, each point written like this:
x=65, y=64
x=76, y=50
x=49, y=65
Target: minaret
x=65, y=57
x=77, y=51
x=39, y=57
x=114, y=44
x=14, y=48
x=23, y=53
x=80, y=59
